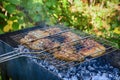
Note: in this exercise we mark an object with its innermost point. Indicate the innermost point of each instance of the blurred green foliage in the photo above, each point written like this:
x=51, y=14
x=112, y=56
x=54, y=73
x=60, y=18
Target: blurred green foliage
x=100, y=17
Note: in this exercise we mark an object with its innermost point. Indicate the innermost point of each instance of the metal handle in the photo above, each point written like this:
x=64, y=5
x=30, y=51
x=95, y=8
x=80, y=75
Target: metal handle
x=9, y=55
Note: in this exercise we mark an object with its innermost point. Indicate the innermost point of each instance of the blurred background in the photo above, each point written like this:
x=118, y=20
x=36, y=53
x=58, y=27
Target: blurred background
x=98, y=17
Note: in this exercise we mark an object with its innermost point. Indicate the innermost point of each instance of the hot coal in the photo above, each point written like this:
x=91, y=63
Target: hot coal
x=96, y=69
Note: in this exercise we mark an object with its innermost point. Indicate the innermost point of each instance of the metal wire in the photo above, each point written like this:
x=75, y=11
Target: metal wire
x=17, y=37
x=15, y=54
x=49, y=57
x=55, y=62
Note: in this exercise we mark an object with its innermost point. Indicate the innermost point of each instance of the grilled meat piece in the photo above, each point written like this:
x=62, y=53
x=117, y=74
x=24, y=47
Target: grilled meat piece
x=37, y=34
x=69, y=36
x=68, y=57
x=68, y=53
x=33, y=35
x=39, y=44
x=42, y=44
x=91, y=48
x=53, y=30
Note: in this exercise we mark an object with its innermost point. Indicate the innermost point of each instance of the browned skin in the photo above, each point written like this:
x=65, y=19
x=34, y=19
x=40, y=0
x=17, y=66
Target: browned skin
x=26, y=39
x=33, y=39
x=33, y=35
x=68, y=53
x=92, y=48
x=69, y=37
x=68, y=57
x=53, y=30
x=37, y=34
x=42, y=44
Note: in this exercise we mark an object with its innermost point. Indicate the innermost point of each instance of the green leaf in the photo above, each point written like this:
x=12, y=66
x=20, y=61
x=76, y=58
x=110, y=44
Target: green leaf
x=64, y=3
x=2, y=15
x=37, y=18
x=10, y=8
x=19, y=14
x=15, y=26
x=13, y=18
x=1, y=31
x=1, y=0
x=21, y=21
x=15, y=2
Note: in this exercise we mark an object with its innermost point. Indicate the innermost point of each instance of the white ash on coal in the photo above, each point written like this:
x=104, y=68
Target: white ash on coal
x=22, y=49
x=96, y=69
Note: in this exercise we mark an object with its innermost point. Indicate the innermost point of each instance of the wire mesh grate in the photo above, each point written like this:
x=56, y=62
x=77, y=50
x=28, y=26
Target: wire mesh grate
x=47, y=54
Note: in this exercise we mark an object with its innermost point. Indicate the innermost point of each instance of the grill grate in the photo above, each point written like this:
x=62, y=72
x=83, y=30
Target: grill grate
x=18, y=36
x=60, y=64
x=48, y=57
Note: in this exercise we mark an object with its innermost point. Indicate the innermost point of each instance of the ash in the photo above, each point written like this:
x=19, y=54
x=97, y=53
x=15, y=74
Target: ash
x=96, y=69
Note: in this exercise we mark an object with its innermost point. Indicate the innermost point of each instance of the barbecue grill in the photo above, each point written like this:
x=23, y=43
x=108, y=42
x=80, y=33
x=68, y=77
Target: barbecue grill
x=21, y=63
